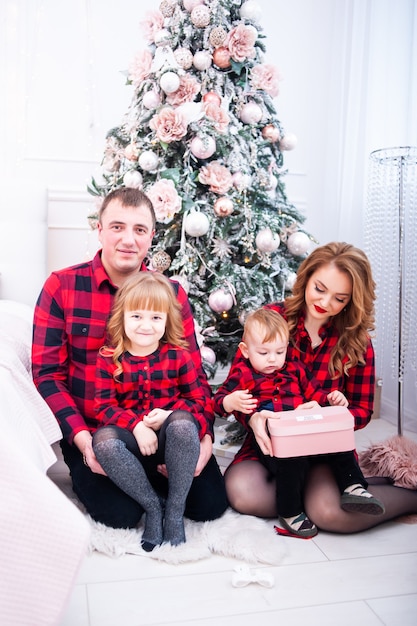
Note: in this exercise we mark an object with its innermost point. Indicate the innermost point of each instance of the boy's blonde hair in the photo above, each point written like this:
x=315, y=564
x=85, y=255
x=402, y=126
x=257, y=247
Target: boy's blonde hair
x=150, y=291
x=269, y=322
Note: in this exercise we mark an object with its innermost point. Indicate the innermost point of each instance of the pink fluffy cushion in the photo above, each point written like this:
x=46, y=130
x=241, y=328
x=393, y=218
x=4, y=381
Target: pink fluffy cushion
x=395, y=458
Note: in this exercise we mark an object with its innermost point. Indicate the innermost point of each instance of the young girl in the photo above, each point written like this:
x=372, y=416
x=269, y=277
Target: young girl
x=150, y=406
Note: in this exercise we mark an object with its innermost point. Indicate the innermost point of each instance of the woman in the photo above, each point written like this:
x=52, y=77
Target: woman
x=330, y=315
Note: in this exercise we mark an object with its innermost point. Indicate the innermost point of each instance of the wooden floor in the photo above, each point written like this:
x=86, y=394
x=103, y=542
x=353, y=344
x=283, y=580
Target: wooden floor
x=367, y=578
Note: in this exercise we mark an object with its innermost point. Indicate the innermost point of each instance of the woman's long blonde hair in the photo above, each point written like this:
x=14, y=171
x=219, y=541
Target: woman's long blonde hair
x=356, y=321
x=149, y=291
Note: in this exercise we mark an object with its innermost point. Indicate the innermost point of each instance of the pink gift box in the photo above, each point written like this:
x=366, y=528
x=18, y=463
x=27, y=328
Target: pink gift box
x=314, y=431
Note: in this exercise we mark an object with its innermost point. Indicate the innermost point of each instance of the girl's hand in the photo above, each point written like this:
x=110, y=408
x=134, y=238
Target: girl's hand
x=337, y=398
x=240, y=400
x=146, y=439
x=156, y=418
x=258, y=423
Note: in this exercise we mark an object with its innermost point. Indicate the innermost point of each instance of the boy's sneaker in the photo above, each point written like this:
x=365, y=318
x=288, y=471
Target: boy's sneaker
x=355, y=499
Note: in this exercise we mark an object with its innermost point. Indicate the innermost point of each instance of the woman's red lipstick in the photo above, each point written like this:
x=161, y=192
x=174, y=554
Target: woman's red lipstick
x=319, y=309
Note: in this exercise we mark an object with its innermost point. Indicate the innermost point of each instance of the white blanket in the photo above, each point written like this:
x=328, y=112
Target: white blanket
x=43, y=536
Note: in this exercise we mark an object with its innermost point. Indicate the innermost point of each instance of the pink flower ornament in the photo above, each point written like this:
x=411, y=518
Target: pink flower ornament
x=165, y=199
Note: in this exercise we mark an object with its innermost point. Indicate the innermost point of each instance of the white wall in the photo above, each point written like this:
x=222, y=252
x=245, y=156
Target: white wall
x=349, y=87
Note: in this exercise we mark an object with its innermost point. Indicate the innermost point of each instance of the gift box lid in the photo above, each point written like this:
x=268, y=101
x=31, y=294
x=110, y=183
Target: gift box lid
x=316, y=420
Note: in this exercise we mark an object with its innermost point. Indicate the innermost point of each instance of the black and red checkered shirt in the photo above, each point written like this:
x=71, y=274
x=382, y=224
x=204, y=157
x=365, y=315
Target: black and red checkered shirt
x=166, y=379
x=69, y=328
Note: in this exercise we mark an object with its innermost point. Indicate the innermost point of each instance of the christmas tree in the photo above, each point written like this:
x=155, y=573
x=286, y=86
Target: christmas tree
x=202, y=139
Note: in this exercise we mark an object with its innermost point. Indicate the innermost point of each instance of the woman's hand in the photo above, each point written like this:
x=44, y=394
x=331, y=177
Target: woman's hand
x=146, y=439
x=84, y=442
x=240, y=400
x=156, y=418
x=258, y=424
x=206, y=450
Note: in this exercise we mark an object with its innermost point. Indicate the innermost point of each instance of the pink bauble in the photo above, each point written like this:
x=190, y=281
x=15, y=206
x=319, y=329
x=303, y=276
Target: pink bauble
x=196, y=224
x=203, y=147
x=184, y=58
x=298, y=243
x=200, y=16
x=267, y=241
x=202, y=60
x=133, y=178
x=221, y=58
x=211, y=97
x=151, y=99
x=288, y=142
x=190, y=4
x=251, y=113
x=207, y=354
x=241, y=181
x=271, y=133
x=223, y=206
x=131, y=152
x=220, y=301
x=169, y=82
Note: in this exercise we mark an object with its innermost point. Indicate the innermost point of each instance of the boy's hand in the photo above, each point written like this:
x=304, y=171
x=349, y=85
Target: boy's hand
x=240, y=400
x=337, y=398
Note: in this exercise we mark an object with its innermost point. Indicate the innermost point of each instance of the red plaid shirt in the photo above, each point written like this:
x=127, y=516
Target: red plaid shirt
x=166, y=379
x=69, y=328
x=286, y=388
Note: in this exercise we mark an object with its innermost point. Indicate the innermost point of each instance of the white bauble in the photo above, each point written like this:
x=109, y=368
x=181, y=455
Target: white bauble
x=184, y=58
x=162, y=37
x=241, y=181
x=203, y=147
x=196, y=224
x=207, y=354
x=220, y=301
x=298, y=243
x=169, y=82
x=148, y=161
x=202, y=60
x=151, y=99
x=290, y=280
x=267, y=241
x=133, y=178
x=251, y=113
x=190, y=4
x=251, y=11
x=288, y=142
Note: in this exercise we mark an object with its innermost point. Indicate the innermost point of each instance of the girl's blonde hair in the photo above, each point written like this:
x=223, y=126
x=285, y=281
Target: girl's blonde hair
x=270, y=322
x=148, y=291
x=357, y=320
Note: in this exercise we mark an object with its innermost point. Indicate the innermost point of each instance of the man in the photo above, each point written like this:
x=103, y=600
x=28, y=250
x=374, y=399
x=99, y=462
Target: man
x=70, y=327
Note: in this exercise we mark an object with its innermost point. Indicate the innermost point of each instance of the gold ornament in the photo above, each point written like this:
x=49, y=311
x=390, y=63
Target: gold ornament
x=217, y=36
x=161, y=261
x=200, y=16
x=167, y=7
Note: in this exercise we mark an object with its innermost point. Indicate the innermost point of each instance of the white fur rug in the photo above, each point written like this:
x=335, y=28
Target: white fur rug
x=234, y=535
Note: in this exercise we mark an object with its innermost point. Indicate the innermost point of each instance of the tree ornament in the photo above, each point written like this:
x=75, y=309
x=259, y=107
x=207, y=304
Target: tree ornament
x=298, y=243
x=290, y=281
x=151, y=99
x=133, y=178
x=220, y=300
x=211, y=97
x=288, y=142
x=148, y=161
x=200, y=16
x=241, y=181
x=271, y=133
x=161, y=261
x=184, y=58
x=196, y=224
x=202, y=60
x=217, y=36
x=167, y=7
x=251, y=113
x=162, y=37
x=203, y=147
x=207, y=354
x=223, y=206
x=267, y=241
x=169, y=82
x=189, y=5
x=221, y=58
x=251, y=10
x=131, y=152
